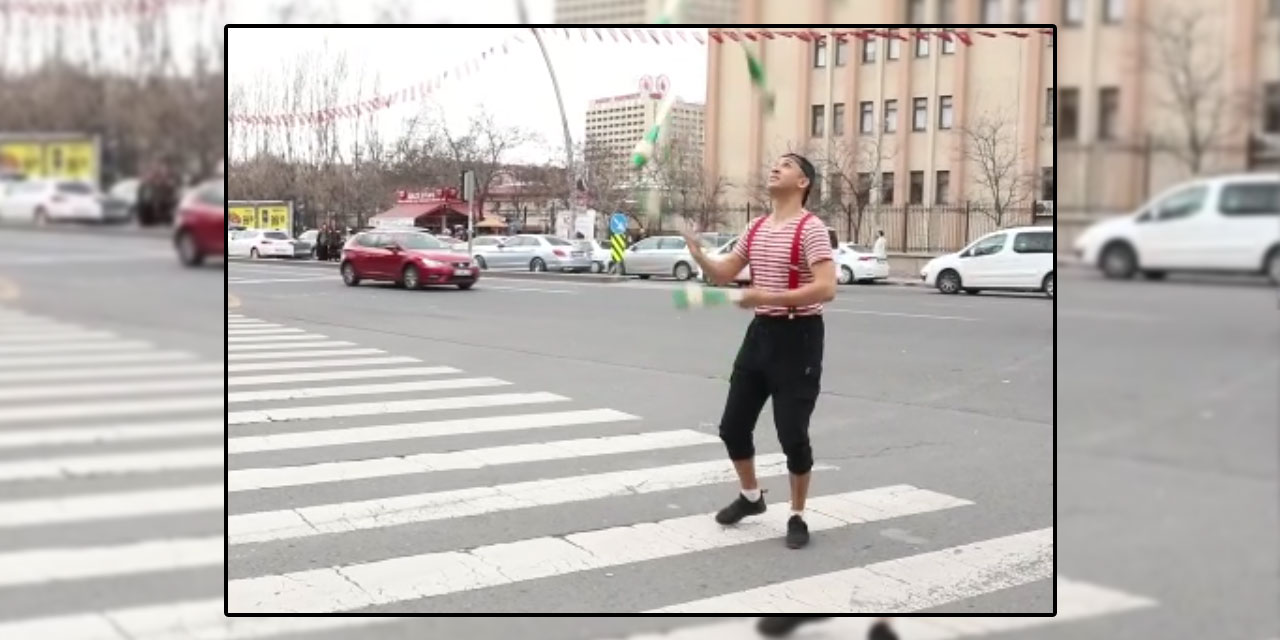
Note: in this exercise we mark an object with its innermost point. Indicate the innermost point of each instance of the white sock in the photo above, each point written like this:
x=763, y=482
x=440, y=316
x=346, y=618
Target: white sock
x=798, y=513
x=751, y=494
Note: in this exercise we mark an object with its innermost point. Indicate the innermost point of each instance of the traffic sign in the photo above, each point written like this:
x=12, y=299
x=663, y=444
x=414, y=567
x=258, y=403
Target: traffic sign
x=618, y=223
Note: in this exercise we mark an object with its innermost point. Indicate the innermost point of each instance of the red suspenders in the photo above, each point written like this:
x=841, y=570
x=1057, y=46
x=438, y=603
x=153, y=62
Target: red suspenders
x=793, y=270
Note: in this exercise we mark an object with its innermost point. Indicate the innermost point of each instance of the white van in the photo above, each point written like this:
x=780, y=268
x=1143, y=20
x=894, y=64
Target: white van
x=1225, y=223
x=1017, y=259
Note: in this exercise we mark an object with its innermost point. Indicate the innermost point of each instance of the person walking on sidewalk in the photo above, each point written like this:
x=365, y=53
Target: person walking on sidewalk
x=881, y=249
x=793, y=274
x=782, y=626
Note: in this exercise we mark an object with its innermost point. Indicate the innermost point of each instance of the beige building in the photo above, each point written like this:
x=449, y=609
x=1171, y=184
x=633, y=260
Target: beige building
x=643, y=11
x=617, y=123
x=897, y=109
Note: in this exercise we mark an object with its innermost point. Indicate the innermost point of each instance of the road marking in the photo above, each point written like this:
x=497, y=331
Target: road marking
x=104, y=409
x=188, y=620
x=27, y=337
x=43, y=566
x=253, y=479
x=912, y=583
x=259, y=331
x=106, y=358
x=232, y=301
x=319, y=364
x=110, y=373
x=893, y=314
x=289, y=345
x=530, y=289
x=240, y=381
x=112, y=464
x=434, y=574
x=417, y=430
x=1076, y=601
x=110, y=433
x=305, y=354
x=238, y=281
x=120, y=345
x=74, y=391
x=380, y=408
x=9, y=291
x=249, y=323
x=110, y=506
x=61, y=260
x=301, y=338
x=461, y=503
x=364, y=389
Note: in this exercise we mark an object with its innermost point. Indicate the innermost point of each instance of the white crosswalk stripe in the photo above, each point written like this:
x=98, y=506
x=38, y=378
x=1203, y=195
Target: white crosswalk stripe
x=308, y=472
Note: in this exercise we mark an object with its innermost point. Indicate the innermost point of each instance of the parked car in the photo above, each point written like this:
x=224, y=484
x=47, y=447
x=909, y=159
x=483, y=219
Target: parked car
x=858, y=263
x=659, y=256
x=123, y=195
x=265, y=243
x=310, y=236
x=1227, y=223
x=539, y=253
x=602, y=257
x=409, y=259
x=200, y=223
x=1018, y=259
x=744, y=277
x=43, y=201
x=482, y=246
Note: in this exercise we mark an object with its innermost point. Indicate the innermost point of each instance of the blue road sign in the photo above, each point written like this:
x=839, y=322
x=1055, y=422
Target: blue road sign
x=618, y=223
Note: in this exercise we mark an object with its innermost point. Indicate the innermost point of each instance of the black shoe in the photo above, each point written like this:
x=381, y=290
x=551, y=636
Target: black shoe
x=797, y=533
x=881, y=631
x=739, y=509
x=779, y=626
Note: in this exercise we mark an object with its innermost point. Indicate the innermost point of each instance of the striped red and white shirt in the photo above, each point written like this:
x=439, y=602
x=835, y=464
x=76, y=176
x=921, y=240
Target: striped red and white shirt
x=770, y=258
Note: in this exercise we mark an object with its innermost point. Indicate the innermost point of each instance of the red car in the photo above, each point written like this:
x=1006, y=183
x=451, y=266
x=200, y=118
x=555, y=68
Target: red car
x=408, y=258
x=200, y=228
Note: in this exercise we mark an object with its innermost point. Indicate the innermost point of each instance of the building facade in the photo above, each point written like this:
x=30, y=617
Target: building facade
x=618, y=122
x=643, y=11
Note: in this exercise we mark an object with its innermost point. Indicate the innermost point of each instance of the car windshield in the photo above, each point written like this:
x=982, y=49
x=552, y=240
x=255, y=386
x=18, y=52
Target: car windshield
x=558, y=242
x=276, y=235
x=417, y=241
x=75, y=188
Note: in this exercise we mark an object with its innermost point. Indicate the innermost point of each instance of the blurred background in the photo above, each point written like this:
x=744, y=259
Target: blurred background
x=1147, y=134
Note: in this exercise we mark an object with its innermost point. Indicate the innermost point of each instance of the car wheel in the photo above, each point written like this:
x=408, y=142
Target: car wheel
x=643, y=276
x=253, y=254
x=481, y=263
x=1047, y=287
x=537, y=265
x=1119, y=262
x=622, y=269
x=349, y=276
x=409, y=277
x=1273, y=266
x=682, y=272
x=846, y=275
x=597, y=267
x=188, y=252
x=466, y=285
x=949, y=282
x=1154, y=275
x=973, y=292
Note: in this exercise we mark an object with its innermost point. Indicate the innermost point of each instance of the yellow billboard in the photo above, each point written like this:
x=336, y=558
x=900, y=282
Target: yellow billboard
x=252, y=215
x=274, y=217
x=70, y=159
x=242, y=216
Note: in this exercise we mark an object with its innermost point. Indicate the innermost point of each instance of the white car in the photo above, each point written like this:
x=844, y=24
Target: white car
x=259, y=243
x=44, y=201
x=601, y=256
x=859, y=264
x=1225, y=223
x=1018, y=259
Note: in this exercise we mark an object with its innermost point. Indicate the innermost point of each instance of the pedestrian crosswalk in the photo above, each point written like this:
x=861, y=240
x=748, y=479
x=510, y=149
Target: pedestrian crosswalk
x=366, y=481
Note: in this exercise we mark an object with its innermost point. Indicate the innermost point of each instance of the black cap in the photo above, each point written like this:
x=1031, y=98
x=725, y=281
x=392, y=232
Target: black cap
x=809, y=172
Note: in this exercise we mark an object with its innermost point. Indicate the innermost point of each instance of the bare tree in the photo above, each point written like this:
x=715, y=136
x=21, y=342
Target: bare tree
x=988, y=144
x=676, y=173
x=855, y=173
x=609, y=180
x=482, y=148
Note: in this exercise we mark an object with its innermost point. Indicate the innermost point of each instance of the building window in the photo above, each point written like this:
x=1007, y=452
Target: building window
x=944, y=112
x=820, y=54
x=992, y=12
x=886, y=187
x=1069, y=123
x=1108, y=112
x=922, y=44
x=869, y=50
x=837, y=119
x=1271, y=107
x=1046, y=183
x=1027, y=11
x=915, y=12
x=866, y=117
x=1048, y=107
x=1112, y=11
x=818, y=120
x=919, y=114
x=842, y=53
x=942, y=187
x=949, y=42
x=895, y=46
x=916, y=195
x=946, y=12
x=1072, y=12
x=890, y=116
